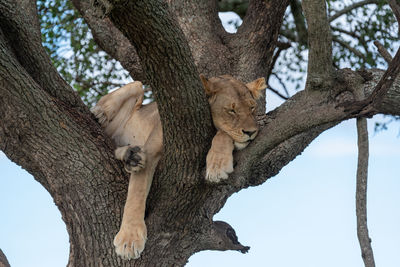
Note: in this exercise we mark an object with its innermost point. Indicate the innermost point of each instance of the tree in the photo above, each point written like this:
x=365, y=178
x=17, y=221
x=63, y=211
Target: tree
x=47, y=129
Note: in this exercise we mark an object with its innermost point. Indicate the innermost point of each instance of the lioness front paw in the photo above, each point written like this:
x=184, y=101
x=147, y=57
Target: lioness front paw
x=134, y=159
x=219, y=165
x=130, y=240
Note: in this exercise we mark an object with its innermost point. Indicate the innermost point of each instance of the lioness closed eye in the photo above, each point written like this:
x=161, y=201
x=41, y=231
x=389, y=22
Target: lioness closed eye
x=137, y=131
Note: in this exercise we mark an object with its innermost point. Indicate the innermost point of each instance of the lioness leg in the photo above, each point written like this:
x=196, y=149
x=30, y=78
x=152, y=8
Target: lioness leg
x=114, y=109
x=219, y=158
x=131, y=238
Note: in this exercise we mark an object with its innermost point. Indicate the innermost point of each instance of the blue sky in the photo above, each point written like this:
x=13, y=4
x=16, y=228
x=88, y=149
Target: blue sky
x=304, y=216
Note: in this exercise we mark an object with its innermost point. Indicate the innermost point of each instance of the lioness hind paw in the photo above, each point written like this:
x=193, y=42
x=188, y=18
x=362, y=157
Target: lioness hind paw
x=100, y=115
x=134, y=159
x=130, y=241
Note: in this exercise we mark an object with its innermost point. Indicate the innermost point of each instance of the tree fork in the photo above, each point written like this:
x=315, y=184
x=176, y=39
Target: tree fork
x=91, y=187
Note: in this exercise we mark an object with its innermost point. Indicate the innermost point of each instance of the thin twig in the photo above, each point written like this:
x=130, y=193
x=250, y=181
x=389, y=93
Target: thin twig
x=281, y=46
x=282, y=84
x=277, y=92
x=350, y=33
x=275, y=58
x=351, y=7
x=361, y=194
x=384, y=53
x=288, y=34
x=349, y=47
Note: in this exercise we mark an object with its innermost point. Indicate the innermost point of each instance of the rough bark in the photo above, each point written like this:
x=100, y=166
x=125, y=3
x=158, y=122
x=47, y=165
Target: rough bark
x=3, y=260
x=320, y=66
x=206, y=37
x=47, y=130
x=19, y=21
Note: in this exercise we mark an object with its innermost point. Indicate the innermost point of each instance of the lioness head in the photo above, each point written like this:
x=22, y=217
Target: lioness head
x=232, y=106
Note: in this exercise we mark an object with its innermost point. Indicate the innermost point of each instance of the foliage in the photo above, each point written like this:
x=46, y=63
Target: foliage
x=92, y=72
x=383, y=125
x=67, y=39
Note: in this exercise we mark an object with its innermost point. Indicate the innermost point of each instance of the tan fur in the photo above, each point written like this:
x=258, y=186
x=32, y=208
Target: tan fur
x=137, y=131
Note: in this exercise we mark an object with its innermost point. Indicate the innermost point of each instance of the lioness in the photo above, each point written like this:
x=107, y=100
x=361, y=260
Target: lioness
x=137, y=132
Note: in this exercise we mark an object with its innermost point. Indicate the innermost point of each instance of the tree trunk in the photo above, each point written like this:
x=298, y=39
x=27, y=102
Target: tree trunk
x=47, y=130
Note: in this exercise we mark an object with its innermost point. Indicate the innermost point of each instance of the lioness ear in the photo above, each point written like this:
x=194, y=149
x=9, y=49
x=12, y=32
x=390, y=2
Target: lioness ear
x=207, y=85
x=256, y=86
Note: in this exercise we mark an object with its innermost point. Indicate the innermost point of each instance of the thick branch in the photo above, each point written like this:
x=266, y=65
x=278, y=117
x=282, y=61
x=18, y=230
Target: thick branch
x=387, y=80
x=257, y=37
x=199, y=22
x=205, y=35
x=292, y=126
x=111, y=40
x=170, y=70
x=351, y=7
x=67, y=152
x=3, y=260
x=320, y=66
x=370, y=105
x=221, y=236
x=92, y=186
x=361, y=194
x=19, y=22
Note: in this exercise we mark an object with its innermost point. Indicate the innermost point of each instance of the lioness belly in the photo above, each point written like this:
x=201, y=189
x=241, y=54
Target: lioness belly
x=140, y=125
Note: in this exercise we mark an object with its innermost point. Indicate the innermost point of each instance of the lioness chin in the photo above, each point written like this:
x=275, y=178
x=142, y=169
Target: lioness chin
x=136, y=130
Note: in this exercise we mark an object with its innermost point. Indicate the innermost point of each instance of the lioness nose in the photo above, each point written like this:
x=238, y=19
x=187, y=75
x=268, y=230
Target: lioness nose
x=249, y=133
